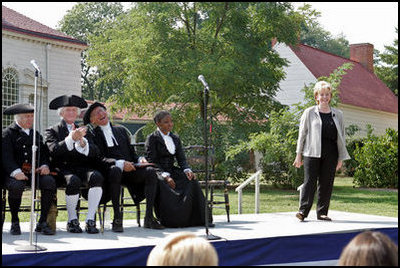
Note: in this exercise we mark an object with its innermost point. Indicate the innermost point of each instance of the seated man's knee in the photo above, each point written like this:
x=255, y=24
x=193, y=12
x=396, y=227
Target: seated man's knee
x=47, y=183
x=73, y=185
x=15, y=188
x=114, y=175
x=96, y=179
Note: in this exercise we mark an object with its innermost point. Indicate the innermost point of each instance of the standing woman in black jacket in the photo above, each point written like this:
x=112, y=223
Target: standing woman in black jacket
x=181, y=202
x=322, y=143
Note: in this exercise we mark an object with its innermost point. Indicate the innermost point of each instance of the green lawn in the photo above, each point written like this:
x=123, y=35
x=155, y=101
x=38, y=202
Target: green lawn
x=344, y=198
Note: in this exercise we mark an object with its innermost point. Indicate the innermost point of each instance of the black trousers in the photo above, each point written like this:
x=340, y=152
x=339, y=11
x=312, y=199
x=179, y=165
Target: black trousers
x=47, y=186
x=321, y=170
x=141, y=184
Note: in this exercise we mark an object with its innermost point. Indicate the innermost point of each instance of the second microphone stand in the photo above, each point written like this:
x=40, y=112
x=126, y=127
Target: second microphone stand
x=209, y=236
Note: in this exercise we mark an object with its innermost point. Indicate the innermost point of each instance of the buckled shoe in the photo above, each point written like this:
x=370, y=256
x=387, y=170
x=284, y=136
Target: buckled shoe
x=91, y=227
x=73, y=226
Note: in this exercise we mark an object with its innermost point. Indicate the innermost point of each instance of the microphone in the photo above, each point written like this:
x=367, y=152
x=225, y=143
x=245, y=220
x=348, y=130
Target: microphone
x=33, y=62
x=203, y=81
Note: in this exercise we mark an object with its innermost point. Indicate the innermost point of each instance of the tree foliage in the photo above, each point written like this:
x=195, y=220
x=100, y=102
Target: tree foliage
x=388, y=68
x=83, y=20
x=158, y=50
x=313, y=34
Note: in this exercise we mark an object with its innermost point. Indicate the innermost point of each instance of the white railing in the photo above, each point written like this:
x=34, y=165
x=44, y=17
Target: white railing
x=256, y=176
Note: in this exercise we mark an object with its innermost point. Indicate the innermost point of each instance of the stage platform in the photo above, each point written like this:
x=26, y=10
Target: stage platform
x=249, y=239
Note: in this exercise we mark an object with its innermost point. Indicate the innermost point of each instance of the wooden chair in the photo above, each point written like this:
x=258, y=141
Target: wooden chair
x=195, y=155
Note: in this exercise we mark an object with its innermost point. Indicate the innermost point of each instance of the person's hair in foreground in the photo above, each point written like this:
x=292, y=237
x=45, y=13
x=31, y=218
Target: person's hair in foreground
x=370, y=249
x=183, y=249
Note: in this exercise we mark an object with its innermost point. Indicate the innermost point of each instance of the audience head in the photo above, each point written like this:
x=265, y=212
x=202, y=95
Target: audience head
x=370, y=249
x=183, y=249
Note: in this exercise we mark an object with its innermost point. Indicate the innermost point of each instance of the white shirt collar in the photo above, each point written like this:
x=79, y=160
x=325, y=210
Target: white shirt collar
x=108, y=134
x=26, y=130
x=168, y=141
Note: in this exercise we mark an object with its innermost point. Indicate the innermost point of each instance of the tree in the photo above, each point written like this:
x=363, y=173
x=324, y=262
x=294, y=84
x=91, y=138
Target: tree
x=313, y=34
x=91, y=18
x=158, y=50
x=388, y=71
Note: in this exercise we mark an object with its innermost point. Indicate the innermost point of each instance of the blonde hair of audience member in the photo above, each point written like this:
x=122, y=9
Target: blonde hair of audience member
x=322, y=86
x=370, y=249
x=183, y=249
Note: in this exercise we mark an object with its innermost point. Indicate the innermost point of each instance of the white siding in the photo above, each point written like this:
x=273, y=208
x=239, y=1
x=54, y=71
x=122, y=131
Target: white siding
x=297, y=76
x=379, y=120
x=60, y=64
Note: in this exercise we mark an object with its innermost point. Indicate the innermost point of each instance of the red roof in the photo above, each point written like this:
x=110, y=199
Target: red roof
x=16, y=22
x=359, y=87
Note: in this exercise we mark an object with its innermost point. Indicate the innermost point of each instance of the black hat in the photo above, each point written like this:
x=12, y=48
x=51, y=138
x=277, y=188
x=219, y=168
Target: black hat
x=67, y=100
x=20, y=108
x=86, y=117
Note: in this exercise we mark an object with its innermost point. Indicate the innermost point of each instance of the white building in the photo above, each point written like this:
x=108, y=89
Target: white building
x=365, y=99
x=57, y=54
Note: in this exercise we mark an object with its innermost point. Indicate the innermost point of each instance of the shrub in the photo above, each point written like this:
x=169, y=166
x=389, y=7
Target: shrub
x=378, y=159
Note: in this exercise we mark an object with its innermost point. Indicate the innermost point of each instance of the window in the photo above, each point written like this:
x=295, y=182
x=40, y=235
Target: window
x=10, y=93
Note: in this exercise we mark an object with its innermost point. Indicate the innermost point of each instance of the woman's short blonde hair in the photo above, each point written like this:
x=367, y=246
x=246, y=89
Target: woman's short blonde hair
x=320, y=86
x=183, y=249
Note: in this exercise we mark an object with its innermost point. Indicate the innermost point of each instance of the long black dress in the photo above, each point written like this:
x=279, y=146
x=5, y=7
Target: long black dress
x=185, y=205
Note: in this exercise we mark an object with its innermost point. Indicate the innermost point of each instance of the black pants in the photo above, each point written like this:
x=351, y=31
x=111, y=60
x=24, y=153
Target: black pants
x=141, y=184
x=322, y=170
x=47, y=186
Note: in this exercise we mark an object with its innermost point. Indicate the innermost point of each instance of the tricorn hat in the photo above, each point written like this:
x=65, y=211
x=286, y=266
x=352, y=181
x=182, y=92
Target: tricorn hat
x=67, y=100
x=86, y=117
x=20, y=108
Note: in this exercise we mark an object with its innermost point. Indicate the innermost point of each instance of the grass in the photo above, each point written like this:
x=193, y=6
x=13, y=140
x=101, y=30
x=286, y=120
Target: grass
x=344, y=198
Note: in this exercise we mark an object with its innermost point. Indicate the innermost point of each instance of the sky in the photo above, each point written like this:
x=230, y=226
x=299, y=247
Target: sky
x=360, y=22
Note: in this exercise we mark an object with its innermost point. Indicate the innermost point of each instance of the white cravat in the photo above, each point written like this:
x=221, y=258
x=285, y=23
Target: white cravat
x=171, y=149
x=108, y=134
x=26, y=130
x=168, y=142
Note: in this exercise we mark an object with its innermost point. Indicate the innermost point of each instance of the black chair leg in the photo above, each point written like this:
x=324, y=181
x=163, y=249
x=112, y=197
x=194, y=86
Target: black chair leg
x=227, y=208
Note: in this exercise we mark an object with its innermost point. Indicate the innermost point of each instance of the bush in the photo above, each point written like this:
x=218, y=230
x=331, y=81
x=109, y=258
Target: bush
x=378, y=160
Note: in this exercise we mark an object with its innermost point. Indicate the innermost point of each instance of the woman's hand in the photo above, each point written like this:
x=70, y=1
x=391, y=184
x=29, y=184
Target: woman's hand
x=170, y=182
x=297, y=161
x=339, y=165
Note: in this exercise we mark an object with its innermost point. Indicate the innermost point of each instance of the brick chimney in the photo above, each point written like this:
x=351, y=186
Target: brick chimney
x=364, y=54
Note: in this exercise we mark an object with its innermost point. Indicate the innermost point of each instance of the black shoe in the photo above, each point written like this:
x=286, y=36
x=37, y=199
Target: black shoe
x=15, y=228
x=300, y=216
x=211, y=225
x=152, y=223
x=324, y=218
x=117, y=226
x=44, y=228
x=73, y=226
x=91, y=227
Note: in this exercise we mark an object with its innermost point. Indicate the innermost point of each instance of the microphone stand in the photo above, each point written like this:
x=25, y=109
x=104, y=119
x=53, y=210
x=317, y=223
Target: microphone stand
x=208, y=235
x=31, y=247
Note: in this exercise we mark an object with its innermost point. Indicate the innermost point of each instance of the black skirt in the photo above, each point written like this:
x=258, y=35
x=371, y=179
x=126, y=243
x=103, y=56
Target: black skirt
x=183, y=206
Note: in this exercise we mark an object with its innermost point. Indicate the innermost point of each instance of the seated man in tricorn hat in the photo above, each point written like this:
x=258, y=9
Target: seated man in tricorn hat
x=74, y=158
x=119, y=158
x=17, y=141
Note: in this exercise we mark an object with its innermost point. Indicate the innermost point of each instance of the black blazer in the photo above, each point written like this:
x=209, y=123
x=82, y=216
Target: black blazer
x=109, y=155
x=17, y=149
x=157, y=152
x=63, y=159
